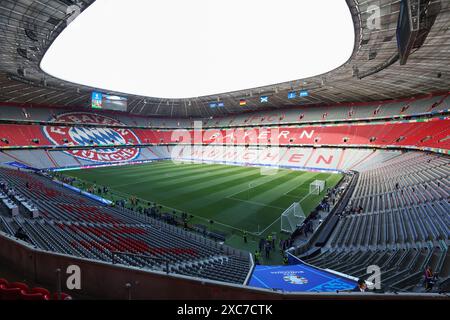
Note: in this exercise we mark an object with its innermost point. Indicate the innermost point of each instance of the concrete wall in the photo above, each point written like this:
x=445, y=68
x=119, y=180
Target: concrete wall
x=106, y=281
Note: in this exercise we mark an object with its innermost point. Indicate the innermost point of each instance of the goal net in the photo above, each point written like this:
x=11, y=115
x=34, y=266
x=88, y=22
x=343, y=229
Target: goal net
x=316, y=187
x=292, y=217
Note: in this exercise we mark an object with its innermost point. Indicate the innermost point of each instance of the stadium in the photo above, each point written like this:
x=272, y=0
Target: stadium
x=139, y=162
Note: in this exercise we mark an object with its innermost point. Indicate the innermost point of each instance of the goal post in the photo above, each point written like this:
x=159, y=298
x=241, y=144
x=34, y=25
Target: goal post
x=292, y=217
x=317, y=187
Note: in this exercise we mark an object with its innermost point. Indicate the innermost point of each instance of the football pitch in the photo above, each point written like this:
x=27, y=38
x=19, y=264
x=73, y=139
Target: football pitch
x=235, y=198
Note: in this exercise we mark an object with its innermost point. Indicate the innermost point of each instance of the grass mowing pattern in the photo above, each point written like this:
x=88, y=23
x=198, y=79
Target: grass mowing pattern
x=236, y=198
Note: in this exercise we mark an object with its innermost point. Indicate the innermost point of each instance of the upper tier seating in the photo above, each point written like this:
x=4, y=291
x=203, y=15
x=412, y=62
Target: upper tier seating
x=301, y=114
x=431, y=134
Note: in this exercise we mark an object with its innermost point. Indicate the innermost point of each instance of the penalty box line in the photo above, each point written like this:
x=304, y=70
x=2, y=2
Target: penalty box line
x=301, y=200
x=255, y=203
x=276, y=220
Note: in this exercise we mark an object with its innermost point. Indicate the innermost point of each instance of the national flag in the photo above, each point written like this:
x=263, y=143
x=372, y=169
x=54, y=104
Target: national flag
x=304, y=93
x=242, y=102
x=264, y=99
x=292, y=95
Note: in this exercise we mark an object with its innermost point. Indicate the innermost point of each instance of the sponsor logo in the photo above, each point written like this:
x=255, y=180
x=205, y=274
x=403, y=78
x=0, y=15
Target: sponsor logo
x=295, y=279
x=97, y=136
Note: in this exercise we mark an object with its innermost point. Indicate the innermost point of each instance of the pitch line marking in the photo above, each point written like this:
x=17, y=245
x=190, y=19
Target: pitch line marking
x=255, y=203
x=276, y=220
x=301, y=200
x=249, y=186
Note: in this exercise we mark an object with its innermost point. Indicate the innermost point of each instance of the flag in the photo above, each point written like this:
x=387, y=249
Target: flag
x=264, y=99
x=242, y=102
x=304, y=93
x=292, y=95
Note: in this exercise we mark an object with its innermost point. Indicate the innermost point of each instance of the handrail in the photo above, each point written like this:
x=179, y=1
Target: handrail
x=250, y=271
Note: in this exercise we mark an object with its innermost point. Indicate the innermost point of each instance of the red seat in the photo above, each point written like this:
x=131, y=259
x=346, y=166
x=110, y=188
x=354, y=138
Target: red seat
x=2, y=287
x=10, y=293
x=36, y=294
x=32, y=296
x=19, y=285
x=21, y=291
x=43, y=291
x=64, y=296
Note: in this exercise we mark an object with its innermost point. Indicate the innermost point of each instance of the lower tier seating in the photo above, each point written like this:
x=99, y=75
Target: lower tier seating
x=72, y=224
x=398, y=218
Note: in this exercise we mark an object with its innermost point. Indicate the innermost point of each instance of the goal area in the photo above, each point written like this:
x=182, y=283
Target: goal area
x=317, y=187
x=292, y=217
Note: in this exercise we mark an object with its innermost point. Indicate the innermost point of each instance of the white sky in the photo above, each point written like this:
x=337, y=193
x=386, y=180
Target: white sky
x=191, y=48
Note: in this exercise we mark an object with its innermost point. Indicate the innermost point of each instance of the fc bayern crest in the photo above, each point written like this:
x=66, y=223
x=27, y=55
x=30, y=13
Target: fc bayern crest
x=97, y=136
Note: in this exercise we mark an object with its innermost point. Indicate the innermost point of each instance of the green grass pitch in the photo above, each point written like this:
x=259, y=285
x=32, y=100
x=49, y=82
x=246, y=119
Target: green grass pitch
x=240, y=197
x=235, y=198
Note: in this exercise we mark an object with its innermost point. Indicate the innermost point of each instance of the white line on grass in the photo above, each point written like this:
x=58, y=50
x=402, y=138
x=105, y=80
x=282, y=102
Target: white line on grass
x=301, y=200
x=256, y=203
x=262, y=232
x=253, y=184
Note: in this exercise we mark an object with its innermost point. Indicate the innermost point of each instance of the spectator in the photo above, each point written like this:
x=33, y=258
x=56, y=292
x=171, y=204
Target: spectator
x=261, y=244
x=430, y=279
x=361, y=287
x=270, y=239
x=257, y=257
x=267, y=249
x=285, y=243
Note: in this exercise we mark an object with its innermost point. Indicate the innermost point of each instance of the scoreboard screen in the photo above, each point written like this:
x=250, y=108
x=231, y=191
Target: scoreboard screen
x=108, y=102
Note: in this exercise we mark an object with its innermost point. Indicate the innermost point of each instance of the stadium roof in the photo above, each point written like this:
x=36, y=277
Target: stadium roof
x=132, y=48
x=372, y=73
